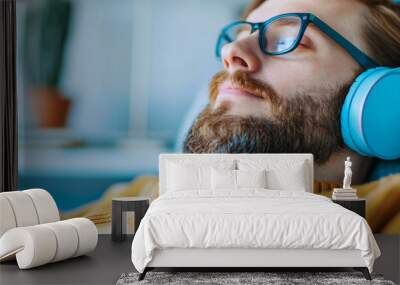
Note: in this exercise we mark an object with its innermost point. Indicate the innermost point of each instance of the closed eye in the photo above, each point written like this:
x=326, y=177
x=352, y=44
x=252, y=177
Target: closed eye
x=306, y=42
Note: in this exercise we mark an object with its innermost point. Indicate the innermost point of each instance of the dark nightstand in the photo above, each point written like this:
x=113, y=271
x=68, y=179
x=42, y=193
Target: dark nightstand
x=138, y=205
x=357, y=206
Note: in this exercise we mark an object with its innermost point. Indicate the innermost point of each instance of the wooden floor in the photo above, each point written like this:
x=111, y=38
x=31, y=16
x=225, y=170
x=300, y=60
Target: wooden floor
x=110, y=260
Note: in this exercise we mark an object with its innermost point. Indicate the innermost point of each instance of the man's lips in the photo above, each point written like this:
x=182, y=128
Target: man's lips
x=237, y=92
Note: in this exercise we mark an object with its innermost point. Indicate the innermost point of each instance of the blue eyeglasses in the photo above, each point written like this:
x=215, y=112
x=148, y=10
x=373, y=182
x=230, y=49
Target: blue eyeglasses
x=283, y=33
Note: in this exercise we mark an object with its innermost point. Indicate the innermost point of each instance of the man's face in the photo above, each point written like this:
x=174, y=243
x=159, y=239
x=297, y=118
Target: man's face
x=286, y=103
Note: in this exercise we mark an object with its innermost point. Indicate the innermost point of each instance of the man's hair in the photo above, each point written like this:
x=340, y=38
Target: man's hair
x=381, y=29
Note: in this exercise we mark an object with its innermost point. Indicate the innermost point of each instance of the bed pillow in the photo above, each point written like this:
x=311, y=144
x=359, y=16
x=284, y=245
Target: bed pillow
x=227, y=179
x=293, y=178
x=223, y=179
x=251, y=178
x=188, y=175
x=281, y=174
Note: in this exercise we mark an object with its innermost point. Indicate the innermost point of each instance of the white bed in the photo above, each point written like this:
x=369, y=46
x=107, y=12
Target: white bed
x=193, y=224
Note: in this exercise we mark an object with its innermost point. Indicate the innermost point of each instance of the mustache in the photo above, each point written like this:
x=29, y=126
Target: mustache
x=243, y=80
x=308, y=121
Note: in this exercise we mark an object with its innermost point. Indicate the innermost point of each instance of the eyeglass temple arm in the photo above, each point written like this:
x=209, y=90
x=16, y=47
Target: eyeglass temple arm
x=364, y=60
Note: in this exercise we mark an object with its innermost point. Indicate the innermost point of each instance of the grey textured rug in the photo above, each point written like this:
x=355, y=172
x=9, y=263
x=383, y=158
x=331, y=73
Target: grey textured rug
x=230, y=278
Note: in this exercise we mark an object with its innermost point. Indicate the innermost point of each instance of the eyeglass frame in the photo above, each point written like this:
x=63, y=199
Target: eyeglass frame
x=306, y=18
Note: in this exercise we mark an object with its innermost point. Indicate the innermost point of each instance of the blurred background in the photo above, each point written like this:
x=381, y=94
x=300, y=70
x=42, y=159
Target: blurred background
x=104, y=86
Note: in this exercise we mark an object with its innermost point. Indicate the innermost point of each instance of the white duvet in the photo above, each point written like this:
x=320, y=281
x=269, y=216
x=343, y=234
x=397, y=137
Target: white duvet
x=250, y=219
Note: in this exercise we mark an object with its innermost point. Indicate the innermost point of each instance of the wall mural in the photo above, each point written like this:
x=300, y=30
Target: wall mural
x=103, y=89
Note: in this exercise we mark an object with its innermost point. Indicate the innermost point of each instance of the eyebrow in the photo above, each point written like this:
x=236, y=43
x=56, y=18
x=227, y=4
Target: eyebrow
x=287, y=21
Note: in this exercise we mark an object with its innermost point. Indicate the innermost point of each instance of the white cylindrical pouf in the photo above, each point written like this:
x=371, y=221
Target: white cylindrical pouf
x=23, y=208
x=67, y=239
x=40, y=244
x=87, y=234
x=34, y=245
x=45, y=205
x=7, y=218
x=40, y=247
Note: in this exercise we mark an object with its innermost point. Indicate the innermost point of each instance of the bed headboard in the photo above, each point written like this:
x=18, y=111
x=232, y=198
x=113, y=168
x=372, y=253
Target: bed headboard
x=164, y=158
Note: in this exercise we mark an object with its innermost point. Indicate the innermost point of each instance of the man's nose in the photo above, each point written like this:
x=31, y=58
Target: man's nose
x=240, y=55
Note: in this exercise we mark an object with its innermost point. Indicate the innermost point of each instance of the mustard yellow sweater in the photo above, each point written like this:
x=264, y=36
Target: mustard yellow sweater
x=383, y=201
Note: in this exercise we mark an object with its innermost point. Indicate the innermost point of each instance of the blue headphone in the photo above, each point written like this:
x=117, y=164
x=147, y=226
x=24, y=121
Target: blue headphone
x=370, y=116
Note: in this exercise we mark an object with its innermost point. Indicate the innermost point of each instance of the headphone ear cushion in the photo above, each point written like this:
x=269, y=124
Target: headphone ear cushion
x=370, y=117
x=347, y=134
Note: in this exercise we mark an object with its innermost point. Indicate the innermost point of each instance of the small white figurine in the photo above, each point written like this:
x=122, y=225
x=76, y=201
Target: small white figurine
x=347, y=174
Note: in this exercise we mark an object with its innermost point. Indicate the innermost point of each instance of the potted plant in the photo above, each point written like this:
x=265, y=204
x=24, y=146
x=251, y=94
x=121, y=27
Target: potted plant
x=46, y=26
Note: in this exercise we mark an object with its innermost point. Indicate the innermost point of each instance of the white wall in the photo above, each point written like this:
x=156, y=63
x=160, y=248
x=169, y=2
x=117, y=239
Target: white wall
x=97, y=65
x=149, y=56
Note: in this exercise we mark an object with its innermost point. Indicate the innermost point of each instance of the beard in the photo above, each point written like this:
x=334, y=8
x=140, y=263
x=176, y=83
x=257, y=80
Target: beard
x=308, y=122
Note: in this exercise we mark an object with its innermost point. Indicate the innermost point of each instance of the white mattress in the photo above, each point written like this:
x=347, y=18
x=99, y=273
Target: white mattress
x=251, y=219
